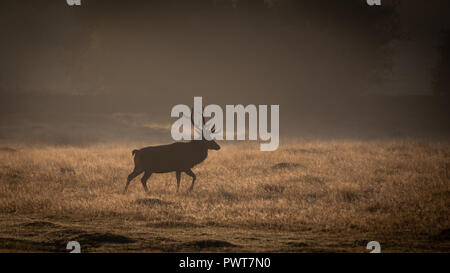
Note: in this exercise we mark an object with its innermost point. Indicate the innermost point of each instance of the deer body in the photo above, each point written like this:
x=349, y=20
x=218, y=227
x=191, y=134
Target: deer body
x=176, y=157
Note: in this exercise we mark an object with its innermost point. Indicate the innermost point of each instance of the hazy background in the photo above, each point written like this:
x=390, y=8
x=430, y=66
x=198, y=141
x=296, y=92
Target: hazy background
x=112, y=70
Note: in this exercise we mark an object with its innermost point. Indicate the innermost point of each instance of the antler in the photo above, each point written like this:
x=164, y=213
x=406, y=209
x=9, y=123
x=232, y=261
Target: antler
x=193, y=123
x=213, y=129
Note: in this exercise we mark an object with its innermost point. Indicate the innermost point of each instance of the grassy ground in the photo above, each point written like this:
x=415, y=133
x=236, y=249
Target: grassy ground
x=308, y=196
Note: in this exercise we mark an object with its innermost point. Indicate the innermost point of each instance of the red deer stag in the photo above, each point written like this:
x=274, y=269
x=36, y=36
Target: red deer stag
x=176, y=157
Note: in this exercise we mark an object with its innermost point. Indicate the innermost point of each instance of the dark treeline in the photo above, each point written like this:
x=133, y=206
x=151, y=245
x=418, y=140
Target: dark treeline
x=109, y=46
x=441, y=79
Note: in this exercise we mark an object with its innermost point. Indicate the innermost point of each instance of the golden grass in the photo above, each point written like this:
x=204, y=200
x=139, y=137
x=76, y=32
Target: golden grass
x=390, y=188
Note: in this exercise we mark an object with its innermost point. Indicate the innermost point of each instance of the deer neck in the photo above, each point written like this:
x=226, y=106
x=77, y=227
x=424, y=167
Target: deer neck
x=203, y=151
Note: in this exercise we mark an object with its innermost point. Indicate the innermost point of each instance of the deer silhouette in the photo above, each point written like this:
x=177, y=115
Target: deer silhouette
x=177, y=157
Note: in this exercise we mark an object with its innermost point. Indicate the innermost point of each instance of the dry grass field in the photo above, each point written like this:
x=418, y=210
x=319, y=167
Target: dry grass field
x=308, y=196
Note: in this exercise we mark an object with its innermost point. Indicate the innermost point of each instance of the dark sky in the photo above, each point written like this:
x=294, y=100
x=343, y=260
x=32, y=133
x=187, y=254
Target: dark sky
x=175, y=48
x=122, y=56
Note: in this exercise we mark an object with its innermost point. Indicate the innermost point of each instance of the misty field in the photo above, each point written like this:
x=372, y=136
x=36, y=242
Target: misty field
x=308, y=196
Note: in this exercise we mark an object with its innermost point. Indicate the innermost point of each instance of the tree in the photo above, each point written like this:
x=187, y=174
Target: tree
x=441, y=75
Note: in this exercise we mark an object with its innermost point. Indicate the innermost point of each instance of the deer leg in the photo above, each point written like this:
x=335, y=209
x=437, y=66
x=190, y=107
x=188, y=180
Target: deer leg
x=191, y=174
x=144, y=179
x=131, y=176
x=178, y=175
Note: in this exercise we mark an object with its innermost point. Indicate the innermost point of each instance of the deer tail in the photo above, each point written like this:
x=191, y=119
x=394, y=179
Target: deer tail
x=134, y=152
